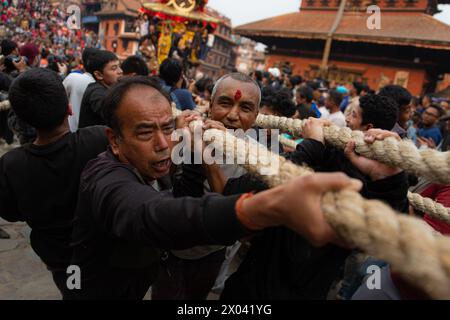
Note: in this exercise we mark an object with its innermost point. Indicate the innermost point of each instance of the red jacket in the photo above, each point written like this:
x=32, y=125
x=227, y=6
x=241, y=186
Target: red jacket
x=441, y=194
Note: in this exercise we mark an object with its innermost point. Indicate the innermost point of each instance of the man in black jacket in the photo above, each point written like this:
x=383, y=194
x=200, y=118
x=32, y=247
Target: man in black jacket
x=280, y=263
x=39, y=181
x=127, y=208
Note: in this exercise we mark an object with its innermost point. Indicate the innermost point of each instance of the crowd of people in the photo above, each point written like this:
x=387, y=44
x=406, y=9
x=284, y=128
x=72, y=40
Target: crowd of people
x=422, y=119
x=94, y=178
x=40, y=31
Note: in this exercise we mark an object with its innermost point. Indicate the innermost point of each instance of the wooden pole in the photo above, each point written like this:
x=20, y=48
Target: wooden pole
x=327, y=48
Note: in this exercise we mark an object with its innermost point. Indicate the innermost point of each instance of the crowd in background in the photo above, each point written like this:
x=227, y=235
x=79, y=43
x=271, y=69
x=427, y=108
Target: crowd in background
x=423, y=119
x=36, y=39
x=41, y=33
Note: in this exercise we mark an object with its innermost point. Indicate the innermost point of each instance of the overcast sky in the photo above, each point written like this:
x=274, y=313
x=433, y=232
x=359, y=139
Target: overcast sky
x=243, y=11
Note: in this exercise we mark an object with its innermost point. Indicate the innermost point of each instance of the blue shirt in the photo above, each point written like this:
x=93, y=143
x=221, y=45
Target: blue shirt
x=316, y=110
x=185, y=98
x=411, y=133
x=344, y=103
x=433, y=133
x=182, y=97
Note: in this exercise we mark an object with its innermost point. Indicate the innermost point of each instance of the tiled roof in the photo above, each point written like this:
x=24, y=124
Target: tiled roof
x=416, y=29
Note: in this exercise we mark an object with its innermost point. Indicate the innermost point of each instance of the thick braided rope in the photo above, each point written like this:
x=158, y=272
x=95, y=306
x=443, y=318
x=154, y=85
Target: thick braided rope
x=287, y=142
x=432, y=208
x=5, y=105
x=413, y=249
x=428, y=163
x=427, y=205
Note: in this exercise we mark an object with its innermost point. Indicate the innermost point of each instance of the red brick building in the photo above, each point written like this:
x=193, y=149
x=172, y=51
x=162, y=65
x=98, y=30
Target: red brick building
x=116, y=26
x=411, y=48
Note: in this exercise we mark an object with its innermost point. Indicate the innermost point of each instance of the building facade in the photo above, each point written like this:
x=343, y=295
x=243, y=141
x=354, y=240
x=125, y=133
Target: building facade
x=116, y=26
x=409, y=48
x=249, y=56
x=222, y=56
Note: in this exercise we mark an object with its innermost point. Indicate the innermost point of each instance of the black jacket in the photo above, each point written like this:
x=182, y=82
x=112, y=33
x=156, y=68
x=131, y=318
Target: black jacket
x=39, y=185
x=121, y=220
x=91, y=105
x=283, y=265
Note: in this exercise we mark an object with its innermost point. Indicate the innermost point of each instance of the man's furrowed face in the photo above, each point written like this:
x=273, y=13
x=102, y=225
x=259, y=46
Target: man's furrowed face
x=235, y=104
x=146, y=123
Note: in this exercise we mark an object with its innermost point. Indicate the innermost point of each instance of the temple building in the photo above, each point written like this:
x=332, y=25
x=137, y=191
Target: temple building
x=117, y=30
x=189, y=30
x=396, y=42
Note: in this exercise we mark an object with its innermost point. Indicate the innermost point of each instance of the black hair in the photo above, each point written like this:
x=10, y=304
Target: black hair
x=7, y=47
x=380, y=111
x=280, y=101
x=295, y=80
x=335, y=96
x=203, y=83
x=135, y=64
x=364, y=87
x=438, y=108
x=307, y=93
x=210, y=88
x=415, y=101
x=38, y=98
x=86, y=55
x=359, y=87
x=114, y=97
x=53, y=62
x=171, y=71
x=98, y=60
x=399, y=94
x=258, y=75
x=313, y=85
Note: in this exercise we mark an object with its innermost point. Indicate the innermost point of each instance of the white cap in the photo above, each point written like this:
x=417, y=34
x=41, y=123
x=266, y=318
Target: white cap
x=275, y=72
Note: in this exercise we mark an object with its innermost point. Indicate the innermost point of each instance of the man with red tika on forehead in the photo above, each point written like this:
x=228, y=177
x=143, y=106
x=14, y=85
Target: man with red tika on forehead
x=191, y=273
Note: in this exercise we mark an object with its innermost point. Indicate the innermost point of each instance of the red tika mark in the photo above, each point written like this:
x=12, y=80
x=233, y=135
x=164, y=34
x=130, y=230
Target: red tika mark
x=238, y=95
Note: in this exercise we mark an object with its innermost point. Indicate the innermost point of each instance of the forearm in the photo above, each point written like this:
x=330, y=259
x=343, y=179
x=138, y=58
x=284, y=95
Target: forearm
x=268, y=209
x=136, y=213
x=216, y=178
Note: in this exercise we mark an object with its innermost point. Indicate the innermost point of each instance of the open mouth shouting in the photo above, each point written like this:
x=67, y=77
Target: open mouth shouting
x=162, y=166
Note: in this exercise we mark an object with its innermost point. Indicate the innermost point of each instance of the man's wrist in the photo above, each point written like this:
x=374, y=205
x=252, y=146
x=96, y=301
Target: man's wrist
x=376, y=175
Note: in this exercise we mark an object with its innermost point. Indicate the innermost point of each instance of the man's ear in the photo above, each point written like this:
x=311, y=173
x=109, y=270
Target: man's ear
x=369, y=126
x=114, y=141
x=98, y=75
x=69, y=110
